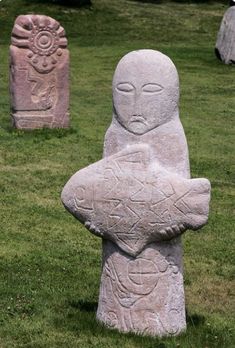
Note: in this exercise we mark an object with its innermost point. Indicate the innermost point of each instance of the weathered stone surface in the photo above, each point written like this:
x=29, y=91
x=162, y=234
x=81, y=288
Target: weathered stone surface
x=140, y=199
x=39, y=73
x=225, y=44
x=133, y=201
x=143, y=294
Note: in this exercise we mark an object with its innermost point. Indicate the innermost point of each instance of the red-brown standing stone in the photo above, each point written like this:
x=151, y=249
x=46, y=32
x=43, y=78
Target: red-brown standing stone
x=39, y=73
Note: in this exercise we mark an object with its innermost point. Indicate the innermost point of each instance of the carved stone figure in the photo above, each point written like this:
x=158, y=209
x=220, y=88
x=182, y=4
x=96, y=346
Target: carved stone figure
x=39, y=73
x=225, y=44
x=139, y=198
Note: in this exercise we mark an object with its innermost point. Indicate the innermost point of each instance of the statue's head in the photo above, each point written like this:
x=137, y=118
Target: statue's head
x=145, y=91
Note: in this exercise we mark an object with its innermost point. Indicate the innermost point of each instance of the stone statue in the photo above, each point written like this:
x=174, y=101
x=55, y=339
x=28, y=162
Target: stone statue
x=139, y=198
x=39, y=73
x=225, y=44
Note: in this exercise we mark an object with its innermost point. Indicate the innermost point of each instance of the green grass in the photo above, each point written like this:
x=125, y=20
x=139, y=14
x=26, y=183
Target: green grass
x=49, y=264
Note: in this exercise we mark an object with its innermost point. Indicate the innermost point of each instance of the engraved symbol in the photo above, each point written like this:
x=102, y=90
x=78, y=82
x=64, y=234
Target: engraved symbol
x=43, y=91
x=144, y=273
x=44, y=41
x=43, y=36
x=80, y=199
x=133, y=208
x=173, y=314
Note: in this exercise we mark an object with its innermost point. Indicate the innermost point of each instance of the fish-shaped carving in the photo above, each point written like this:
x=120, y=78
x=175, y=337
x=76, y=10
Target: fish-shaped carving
x=131, y=200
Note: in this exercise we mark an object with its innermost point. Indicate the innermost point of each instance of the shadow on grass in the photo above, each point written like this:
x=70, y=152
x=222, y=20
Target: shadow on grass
x=181, y=1
x=43, y=134
x=80, y=316
x=195, y=320
x=84, y=306
x=91, y=306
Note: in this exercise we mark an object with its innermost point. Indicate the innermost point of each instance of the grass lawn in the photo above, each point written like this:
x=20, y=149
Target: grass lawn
x=49, y=264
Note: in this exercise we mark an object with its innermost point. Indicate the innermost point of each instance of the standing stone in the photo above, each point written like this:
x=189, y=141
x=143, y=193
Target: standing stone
x=139, y=198
x=225, y=45
x=39, y=73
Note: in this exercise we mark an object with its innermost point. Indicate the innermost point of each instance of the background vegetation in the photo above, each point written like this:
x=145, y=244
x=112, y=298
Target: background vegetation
x=49, y=264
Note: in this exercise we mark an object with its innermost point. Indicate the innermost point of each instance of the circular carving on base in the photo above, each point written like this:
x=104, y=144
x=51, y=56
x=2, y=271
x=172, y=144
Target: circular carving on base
x=174, y=321
x=143, y=275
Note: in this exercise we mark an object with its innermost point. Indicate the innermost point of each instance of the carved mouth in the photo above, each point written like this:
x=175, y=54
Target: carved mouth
x=139, y=119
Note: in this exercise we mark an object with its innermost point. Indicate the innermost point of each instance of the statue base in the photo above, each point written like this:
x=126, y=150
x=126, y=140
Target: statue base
x=37, y=120
x=143, y=294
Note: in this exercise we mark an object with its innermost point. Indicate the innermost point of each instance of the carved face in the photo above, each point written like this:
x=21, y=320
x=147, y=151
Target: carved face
x=145, y=91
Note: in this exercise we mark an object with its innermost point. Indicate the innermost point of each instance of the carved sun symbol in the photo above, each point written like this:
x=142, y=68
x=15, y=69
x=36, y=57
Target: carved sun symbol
x=43, y=36
x=44, y=41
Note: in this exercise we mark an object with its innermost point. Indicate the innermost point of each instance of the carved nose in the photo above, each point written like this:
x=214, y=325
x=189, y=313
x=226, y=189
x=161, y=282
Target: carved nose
x=137, y=108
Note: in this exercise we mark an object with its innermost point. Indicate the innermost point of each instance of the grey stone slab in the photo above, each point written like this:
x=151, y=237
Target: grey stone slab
x=225, y=44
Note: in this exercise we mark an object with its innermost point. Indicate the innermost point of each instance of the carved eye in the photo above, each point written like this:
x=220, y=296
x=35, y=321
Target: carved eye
x=125, y=87
x=152, y=88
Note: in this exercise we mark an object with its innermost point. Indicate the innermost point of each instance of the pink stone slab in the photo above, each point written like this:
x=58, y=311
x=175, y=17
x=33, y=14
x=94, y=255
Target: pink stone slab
x=39, y=73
